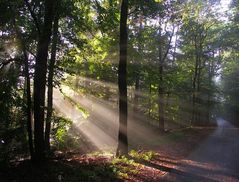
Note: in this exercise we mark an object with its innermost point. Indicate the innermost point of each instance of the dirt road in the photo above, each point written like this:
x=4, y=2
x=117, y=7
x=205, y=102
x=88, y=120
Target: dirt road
x=216, y=159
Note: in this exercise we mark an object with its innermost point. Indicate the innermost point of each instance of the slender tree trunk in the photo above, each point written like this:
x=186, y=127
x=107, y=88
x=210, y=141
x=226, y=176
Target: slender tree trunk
x=210, y=75
x=198, y=98
x=209, y=93
x=150, y=104
x=161, y=90
x=137, y=69
x=161, y=99
x=194, y=89
x=50, y=83
x=122, y=82
x=160, y=83
x=136, y=92
x=194, y=95
x=29, y=104
x=175, y=49
x=40, y=82
x=200, y=67
x=27, y=91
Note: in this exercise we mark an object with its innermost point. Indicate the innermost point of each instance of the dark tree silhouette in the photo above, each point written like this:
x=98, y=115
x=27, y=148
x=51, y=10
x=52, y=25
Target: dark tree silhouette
x=40, y=81
x=122, y=82
x=50, y=82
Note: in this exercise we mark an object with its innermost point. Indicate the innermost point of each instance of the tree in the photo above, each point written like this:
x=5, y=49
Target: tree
x=230, y=73
x=40, y=80
x=51, y=69
x=122, y=82
x=198, y=43
x=28, y=88
x=166, y=18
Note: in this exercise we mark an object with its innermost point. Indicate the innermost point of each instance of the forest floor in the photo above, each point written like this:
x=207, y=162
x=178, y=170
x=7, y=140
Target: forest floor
x=193, y=154
x=189, y=154
x=141, y=165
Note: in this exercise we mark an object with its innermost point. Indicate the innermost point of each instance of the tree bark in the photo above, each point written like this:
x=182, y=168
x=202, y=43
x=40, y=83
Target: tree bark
x=122, y=82
x=29, y=104
x=50, y=83
x=160, y=83
x=149, y=101
x=195, y=77
x=27, y=91
x=136, y=92
x=209, y=94
x=161, y=90
x=137, y=70
x=40, y=82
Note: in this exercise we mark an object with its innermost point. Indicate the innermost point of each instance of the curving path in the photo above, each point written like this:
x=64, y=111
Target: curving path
x=216, y=159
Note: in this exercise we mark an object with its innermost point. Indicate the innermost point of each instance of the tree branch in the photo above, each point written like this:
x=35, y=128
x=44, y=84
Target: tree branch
x=169, y=44
x=33, y=16
x=8, y=61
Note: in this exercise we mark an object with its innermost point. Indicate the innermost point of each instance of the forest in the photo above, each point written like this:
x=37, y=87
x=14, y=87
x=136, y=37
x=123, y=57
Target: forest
x=128, y=90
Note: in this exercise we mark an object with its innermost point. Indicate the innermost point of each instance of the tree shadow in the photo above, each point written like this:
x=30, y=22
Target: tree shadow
x=184, y=176
x=60, y=171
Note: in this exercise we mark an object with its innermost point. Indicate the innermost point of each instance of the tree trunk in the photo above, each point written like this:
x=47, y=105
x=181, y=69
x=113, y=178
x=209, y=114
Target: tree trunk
x=50, y=83
x=200, y=67
x=136, y=92
x=150, y=104
x=27, y=91
x=194, y=89
x=137, y=69
x=160, y=83
x=210, y=76
x=122, y=82
x=29, y=103
x=40, y=82
x=175, y=48
x=161, y=90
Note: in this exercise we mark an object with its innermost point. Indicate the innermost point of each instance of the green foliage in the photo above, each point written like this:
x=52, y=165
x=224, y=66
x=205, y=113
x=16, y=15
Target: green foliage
x=119, y=166
x=59, y=133
x=13, y=139
x=124, y=166
x=148, y=155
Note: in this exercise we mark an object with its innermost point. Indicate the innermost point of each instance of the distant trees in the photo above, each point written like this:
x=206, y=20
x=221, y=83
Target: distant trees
x=166, y=29
x=199, y=46
x=230, y=67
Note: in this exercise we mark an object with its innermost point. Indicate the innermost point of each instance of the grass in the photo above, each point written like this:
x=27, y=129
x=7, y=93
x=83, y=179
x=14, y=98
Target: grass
x=144, y=155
